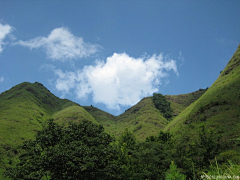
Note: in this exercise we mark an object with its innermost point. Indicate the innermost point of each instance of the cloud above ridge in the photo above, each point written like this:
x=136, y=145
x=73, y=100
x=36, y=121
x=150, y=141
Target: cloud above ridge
x=121, y=80
x=4, y=31
x=62, y=45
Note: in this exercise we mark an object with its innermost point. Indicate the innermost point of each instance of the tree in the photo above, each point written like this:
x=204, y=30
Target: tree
x=78, y=151
x=206, y=148
x=152, y=160
x=196, y=156
x=162, y=104
x=128, y=138
x=174, y=174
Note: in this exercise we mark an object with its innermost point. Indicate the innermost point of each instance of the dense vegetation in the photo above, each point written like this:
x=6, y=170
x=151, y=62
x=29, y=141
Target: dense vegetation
x=162, y=104
x=84, y=151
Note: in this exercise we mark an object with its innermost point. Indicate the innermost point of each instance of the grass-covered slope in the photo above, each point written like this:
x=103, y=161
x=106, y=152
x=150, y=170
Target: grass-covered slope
x=143, y=120
x=74, y=113
x=218, y=108
x=25, y=108
x=180, y=102
x=102, y=117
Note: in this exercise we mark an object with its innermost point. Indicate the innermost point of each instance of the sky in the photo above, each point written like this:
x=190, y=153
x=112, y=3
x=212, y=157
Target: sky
x=111, y=53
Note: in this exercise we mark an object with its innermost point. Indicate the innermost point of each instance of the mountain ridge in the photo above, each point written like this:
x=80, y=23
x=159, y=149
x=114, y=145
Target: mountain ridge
x=218, y=108
x=31, y=104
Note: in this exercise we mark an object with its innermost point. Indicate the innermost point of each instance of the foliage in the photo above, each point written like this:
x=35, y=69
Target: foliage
x=174, y=174
x=227, y=170
x=128, y=138
x=162, y=104
x=152, y=160
x=197, y=156
x=79, y=151
x=84, y=151
x=142, y=160
x=163, y=138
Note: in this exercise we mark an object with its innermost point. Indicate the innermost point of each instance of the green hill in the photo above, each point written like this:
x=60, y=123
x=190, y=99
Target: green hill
x=143, y=119
x=180, y=102
x=26, y=107
x=73, y=113
x=218, y=108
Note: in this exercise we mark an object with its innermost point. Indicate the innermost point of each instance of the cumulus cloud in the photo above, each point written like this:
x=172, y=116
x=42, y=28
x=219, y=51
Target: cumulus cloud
x=121, y=80
x=62, y=45
x=4, y=31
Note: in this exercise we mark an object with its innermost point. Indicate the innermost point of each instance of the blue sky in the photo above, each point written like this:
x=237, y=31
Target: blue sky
x=111, y=54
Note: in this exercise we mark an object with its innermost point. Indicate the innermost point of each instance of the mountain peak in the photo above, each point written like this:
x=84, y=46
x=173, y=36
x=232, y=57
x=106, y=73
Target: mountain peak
x=233, y=63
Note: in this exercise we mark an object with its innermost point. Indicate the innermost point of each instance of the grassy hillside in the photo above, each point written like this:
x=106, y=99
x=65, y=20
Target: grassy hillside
x=73, y=113
x=180, y=102
x=25, y=108
x=143, y=119
x=218, y=108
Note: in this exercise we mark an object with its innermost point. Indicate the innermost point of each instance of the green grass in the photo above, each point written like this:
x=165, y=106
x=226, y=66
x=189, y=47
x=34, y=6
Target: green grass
x=24, y=109
x=180, y=102
x=143, y=120
x=73, y=113
x=227, y=170
x=217, y=108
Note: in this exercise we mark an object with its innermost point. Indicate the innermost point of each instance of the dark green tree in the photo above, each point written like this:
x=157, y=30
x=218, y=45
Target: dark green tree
x=125, y=147
x=128, y=138
x=196, y=156
x=206, y=148
x=174, y=173
x=162, y=104
x=78, y=151
x=163, y=138
x=152, y=160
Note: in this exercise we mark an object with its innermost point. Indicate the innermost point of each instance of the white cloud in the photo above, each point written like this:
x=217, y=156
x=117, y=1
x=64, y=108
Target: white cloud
x=181, y=58
x=4, y=31
x=66, y=81
x=1, y=79
x=62, y=45
x=121, y=80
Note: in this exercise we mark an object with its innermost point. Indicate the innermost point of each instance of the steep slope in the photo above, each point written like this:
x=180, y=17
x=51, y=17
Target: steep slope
x=218, y=108
x=143, y=120
x=26, y=107
x=180, y=102
x=102, y=117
